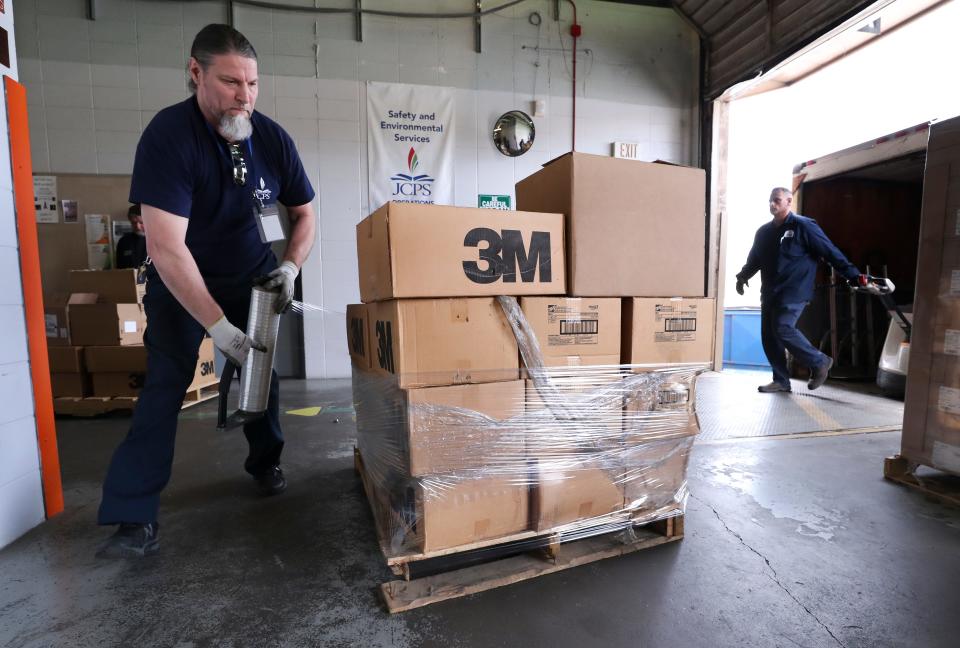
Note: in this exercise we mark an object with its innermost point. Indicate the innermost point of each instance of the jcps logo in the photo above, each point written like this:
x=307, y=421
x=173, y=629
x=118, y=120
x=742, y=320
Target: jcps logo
x=410, y=185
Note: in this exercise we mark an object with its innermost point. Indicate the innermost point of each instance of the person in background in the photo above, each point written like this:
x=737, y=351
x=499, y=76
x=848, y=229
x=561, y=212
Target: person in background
x=786, y=251
x=208, y=174
x=132, y=246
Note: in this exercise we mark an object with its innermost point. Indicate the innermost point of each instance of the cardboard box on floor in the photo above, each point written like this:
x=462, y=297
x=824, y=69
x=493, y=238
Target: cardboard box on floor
x=66, y=359
x=112, y=286
x=656, y=476
x=633, y=229
x=412, y=250
x=931, y=416
x=358, y=335
x=597, y=427
x=454, y=512
x=563, y=495
x=449, y=428
x=667, y=330
x=106, y=324
x=435, y=342
x=575, y=331
x=70, y=384
x=121, y=370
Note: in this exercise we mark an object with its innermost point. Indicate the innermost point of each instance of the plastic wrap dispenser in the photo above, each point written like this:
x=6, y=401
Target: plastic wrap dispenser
x=263, y=323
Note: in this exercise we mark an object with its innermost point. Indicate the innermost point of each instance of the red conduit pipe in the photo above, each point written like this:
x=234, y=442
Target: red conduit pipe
x=575, y=31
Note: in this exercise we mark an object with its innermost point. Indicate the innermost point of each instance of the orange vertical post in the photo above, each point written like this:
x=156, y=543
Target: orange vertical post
x=22, y=168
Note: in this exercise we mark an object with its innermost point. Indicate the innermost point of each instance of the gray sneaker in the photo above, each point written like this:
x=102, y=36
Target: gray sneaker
x=819, y=374
x=772, y=388
x=132, y=541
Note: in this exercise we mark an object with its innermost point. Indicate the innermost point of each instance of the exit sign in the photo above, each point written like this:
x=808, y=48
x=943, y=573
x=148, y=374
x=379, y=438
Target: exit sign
x=493, y=202
x=626, y=150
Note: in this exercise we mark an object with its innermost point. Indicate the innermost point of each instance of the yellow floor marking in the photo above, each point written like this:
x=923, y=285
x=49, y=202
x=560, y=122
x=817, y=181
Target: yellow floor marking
x=306, y=411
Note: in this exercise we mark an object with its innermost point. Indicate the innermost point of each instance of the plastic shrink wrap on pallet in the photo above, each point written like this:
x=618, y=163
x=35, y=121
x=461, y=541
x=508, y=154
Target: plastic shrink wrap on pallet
x=558, y=454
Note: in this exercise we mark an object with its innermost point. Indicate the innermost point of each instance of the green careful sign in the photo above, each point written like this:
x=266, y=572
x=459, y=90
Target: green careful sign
x=493, y=202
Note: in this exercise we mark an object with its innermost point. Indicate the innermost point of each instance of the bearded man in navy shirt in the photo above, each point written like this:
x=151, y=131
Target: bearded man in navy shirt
x=786, y=251
x=206, y=172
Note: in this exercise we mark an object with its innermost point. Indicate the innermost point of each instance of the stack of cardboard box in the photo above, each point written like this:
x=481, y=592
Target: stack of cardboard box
x=931, y=415
x=436, y=373
x=462, y=440
x=95, y=338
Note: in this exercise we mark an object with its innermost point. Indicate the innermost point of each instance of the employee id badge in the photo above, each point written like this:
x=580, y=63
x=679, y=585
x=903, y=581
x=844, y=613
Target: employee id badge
x=268, y=223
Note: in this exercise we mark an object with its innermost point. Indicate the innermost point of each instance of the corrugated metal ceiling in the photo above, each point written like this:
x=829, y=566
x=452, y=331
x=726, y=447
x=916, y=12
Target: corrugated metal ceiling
x=747, y=37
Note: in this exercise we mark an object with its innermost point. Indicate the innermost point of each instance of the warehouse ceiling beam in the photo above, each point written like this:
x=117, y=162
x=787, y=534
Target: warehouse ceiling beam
x=358, y=6
x=478, y=8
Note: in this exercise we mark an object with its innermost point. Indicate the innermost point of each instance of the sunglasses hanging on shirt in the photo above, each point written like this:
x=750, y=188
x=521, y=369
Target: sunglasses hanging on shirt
x=239, y=165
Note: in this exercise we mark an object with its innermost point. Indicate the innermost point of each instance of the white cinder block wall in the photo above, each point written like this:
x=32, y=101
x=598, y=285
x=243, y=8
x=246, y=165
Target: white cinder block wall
x=95, y=84
x=21, y=492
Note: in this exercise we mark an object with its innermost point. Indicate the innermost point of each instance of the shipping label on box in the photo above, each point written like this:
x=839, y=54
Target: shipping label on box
x=948, y=400
x=574, y=326
x=946, y=456
x=667, y=331
x=951, y=342
x=427, y=342
x=412, y=250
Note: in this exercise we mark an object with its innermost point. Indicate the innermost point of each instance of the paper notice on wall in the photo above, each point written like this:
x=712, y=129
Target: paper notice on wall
x=69, y=208
x=409, y=144
x=951, y=342
x=98, y=228
x=45, y=198
x=948, y=400
x=98, y=256
x=945, y=456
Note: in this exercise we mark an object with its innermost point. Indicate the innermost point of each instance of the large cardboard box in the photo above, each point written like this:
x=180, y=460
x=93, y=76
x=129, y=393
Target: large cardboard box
x=412, y=250
x=667, y=330
x=633, y=229
x=107, y=324
x=427, y=342
x=76, y=385
x=575, y=331
x=453, y=512
x=462, y=427
x=358, y=335
x=931, y=416
x=112, y=286
x=655, y=481
x=121, y=370
x=566, y=495
x=584, y=417
x=66, y=359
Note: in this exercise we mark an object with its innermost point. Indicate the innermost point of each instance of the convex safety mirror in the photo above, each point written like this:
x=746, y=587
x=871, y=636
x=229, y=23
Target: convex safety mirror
x=513, y=133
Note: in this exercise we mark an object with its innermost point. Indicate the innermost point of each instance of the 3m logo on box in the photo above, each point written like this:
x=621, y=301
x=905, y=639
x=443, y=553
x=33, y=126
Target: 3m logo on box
x=208, y=368
x=407, y=250
x=356, y=335
x=385, y=346
x=505, y=254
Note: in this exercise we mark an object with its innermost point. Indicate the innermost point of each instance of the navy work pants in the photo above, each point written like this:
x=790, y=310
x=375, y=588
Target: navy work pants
x=778, y=331
x=141, y=465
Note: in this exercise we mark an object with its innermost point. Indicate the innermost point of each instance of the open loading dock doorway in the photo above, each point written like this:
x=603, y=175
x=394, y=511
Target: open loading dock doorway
x=868, y=197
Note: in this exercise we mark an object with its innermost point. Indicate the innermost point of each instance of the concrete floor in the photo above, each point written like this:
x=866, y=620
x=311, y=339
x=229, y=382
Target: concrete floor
x=789, y=542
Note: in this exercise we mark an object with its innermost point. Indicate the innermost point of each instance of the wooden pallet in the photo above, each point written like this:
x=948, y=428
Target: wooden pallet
x=509, y=559
x=99, y=405
x=940, y=486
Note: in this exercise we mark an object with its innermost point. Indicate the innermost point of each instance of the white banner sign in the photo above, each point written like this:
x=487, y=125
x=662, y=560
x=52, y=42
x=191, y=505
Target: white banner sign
x=409, y=143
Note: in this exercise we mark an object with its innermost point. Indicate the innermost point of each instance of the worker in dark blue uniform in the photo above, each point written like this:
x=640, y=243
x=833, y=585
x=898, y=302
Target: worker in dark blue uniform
x=208, y=174
x=786, y=251
x=132, y=246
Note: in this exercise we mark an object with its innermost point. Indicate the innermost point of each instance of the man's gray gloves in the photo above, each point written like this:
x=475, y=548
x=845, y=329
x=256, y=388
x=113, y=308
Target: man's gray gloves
x=740, y=284
x=232, y=341
x=283, y=277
